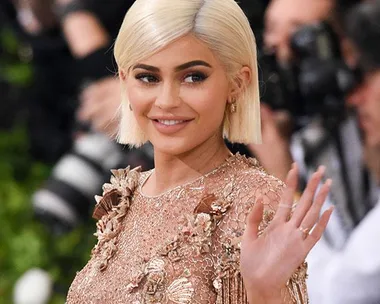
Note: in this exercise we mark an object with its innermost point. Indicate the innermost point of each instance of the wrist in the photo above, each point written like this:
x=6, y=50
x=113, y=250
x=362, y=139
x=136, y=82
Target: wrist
x=265, y=295
x=256, y=296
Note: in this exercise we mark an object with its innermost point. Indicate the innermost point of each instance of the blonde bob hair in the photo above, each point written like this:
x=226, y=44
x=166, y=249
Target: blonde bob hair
x=150, y=25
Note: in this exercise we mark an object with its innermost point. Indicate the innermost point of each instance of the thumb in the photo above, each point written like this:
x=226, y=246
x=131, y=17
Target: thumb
x=254, y=219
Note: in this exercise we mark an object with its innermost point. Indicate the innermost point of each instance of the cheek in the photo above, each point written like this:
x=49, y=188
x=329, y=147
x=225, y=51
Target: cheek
x=139, y=99
x=209, y=103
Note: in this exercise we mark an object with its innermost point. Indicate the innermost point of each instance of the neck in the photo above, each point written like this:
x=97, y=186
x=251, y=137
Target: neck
x=174, y=170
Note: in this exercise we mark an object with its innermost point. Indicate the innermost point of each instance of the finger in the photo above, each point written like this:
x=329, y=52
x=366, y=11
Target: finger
x=285, y=206
x=88, y=92
x=318, y=230
x=107, y=123
x=254, y=219
x=95, y=93
x=307, y=197
x=93, y=109
x=98, y=96
x=95, y=87
x=86, y=112
x=312, y=215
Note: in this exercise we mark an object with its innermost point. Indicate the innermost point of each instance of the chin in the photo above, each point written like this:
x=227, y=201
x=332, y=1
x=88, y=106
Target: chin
x=171, y=146
x=175, y=146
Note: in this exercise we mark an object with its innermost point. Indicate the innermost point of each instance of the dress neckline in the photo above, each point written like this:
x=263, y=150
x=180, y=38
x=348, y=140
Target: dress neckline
x=200, y=178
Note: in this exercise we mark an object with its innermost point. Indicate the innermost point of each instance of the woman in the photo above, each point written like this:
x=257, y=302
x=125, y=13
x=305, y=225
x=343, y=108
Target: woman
x=187, y=231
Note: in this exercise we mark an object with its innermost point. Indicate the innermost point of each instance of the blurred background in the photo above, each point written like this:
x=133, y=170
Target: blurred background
x=58, y=116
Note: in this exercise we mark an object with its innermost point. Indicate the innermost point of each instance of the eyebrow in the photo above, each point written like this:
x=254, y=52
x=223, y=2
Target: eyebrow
x=177, y=69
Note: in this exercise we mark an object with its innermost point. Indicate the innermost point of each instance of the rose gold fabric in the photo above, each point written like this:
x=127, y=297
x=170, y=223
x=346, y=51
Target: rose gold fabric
x=181, y=246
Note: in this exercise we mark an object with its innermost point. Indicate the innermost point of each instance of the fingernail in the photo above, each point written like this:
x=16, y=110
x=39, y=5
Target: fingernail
x=331, y=209
x=322, y=169
x=328, y=182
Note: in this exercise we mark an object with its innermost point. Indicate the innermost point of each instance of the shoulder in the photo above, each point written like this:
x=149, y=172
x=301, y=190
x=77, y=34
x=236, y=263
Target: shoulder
x=246, y=183
x=119, y=191
x=253, y=183
x=250, y=184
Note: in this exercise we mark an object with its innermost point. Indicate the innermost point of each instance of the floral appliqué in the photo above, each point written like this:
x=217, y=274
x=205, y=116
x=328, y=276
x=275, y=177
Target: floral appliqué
x=111, y=209
x=194, y=237
x=196, y=230
x=154, y=276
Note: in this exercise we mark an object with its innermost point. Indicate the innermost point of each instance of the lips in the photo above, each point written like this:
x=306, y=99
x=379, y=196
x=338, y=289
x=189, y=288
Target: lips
x=169, y=126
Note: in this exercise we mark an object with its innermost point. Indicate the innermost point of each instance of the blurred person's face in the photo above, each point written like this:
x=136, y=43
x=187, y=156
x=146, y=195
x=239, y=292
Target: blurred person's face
x=284, y=17
x=179, y=96
x=366, y=100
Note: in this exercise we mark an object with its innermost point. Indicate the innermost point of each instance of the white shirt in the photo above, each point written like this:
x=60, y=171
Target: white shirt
x=352, y=274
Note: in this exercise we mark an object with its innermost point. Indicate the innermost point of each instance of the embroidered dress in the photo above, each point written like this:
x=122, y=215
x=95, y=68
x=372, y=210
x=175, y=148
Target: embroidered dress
x=182, y=246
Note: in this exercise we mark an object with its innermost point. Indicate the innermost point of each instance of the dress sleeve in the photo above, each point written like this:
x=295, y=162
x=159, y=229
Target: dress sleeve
x=251, y=188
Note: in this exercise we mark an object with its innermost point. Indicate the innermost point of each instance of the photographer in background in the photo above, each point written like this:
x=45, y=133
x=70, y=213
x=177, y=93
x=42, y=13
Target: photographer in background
x=310, y=64
x=314, y=66
x=73, y=111
x=352, y=275
x=73, y=104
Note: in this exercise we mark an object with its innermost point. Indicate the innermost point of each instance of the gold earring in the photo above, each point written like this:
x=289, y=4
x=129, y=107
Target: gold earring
x=233, y=107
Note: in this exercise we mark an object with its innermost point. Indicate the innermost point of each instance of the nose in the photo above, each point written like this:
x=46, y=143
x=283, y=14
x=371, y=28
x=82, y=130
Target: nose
x=168, y=97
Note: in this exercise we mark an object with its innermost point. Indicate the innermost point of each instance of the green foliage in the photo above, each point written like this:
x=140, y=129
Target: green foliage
x=24, y=242
x=14, y=66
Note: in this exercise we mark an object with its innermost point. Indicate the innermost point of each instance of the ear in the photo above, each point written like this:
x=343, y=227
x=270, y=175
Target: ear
x=122, y=75
x=239, y=83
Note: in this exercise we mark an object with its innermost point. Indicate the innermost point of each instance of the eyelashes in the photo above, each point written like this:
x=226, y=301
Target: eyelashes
x=189, y=78
x=147, y=78
x=195, y=77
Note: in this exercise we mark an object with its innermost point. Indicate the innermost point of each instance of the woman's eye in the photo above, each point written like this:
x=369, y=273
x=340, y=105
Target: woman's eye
x=147, y=78
x=196, y=77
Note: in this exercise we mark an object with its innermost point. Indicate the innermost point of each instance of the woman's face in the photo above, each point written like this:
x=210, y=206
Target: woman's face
x=179, y=96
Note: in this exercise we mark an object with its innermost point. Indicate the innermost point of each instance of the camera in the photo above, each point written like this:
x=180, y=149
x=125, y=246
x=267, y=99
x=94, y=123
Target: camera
x=67, y=197
x=315, y=82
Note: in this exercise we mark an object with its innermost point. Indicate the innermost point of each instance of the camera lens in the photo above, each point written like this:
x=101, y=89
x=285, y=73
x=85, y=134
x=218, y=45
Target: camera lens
x=67, y=197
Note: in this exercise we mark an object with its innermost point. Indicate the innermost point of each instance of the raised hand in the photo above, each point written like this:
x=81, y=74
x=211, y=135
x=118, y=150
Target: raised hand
x=100, y=104
x=267, y=262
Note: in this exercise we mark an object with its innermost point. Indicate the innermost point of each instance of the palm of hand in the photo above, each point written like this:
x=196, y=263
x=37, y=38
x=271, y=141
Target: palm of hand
x=267, y=262
x=265, y=256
